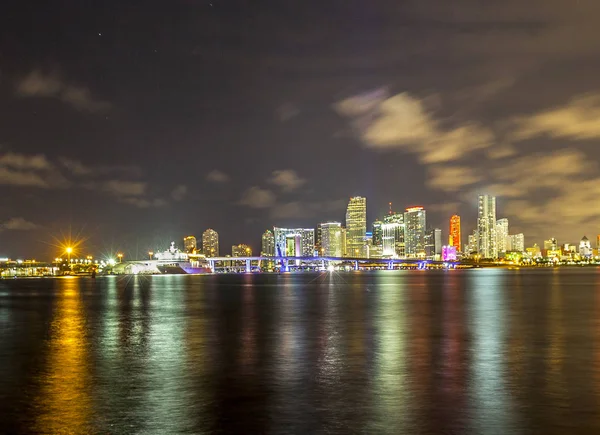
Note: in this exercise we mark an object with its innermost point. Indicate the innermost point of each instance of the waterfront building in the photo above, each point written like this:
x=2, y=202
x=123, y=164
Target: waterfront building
x=356, y=226
x=585, y=248
x=189, y=244
x=598, y=242
x=268, y=244
x=344, y=250
x=377, y=233
x=534, y=251
x=486, y=227
x=550, y=244
x=388, y=246
x=241, y=250
x=306, y=244
x=414, y=232
x=319, y=240
x=331, y=239
x=473, y=243
x=449, y=253
x=516, y=242
x=210, y=243
x=433, y=244
x=454, y=237
x=502, y=236
x=400, y=231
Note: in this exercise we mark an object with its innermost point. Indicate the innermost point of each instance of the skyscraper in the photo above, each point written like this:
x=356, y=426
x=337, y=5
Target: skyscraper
x=189, y=244
x=433, y=244
x=377, y=233
x=389, y=231
x=400, y=230
x=307, y=240
x=356, y=226
x=517, y=242
x=241, y=251
x=454, y=239
x=331, y=239
x=210, y=243
x=268, y=244
x=486, y=227
x=502, y=235
x=414, y=233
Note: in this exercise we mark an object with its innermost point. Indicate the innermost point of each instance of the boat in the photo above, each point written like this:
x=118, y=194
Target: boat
x=174, y=261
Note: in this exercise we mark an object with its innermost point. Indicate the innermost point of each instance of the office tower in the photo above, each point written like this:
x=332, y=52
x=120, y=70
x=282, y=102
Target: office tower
x=454, y=238
x=319, y=240
x=331, y=239
x=486, y=227
x=585, y=247
x=377, y=233
x=414, y=232
x=306, y=243
x=241, y=251
x=356, y=226
x=189, y=244
x=550, y=244
x=502, y=235
x=517, y=242
x=433, y=244
x=344, y=250
x=388, y=237
x=268, y=244
x=400, y=230
x=210, y=243
x=437, y=239
x=473, y=242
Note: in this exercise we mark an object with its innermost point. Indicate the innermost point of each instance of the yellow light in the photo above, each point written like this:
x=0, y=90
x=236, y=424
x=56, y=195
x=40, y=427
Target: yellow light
x=69, y=250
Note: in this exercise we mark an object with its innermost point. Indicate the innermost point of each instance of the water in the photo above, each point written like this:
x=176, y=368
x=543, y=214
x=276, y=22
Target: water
x=465, y=352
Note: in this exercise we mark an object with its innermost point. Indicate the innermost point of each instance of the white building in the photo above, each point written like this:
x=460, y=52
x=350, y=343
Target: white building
x=486, y=227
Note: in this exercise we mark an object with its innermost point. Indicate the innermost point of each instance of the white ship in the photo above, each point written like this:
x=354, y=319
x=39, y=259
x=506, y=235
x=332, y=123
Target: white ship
x=174, y=261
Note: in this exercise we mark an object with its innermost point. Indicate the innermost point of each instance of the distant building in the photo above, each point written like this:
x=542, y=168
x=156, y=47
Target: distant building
x=454, y=237
x=388, y=247
x=331, y=239
x=306, y=244
x=534, y=251
x=473, y=242
x=449, y=253
x=189, y=244
x=551, y=244
x=585, y=248
x=502, y=236
x=356, y=226
x=433, y=244
x=319, y=240
x=377, y=233
x=414, y=232
x=516, y=242
x=241, y=251
x=400, y=232
x=268, y=244
x=486, y=227
x=210, y=243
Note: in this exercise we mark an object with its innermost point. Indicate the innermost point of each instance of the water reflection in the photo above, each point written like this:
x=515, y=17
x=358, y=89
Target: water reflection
x=64, y=399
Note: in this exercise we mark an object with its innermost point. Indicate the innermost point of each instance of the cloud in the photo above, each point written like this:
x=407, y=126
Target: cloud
x=40, y=85
x=18, y=224
x=179, y=193
x=255, y=197
x=217, y=176
x=29, y=171
x=307, y=209
x=143, y=202
x=124, y=188
x=577, y=120
x=80, y=169
x=287, y=111
x=452, y=178
x=404, y=122
x=287, y=180
x=22, y=161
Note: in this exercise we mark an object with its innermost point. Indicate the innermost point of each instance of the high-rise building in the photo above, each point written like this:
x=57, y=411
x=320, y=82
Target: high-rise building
x=331, y=239
x=486, y=227
x=344, y=248
x=356, y=226
x=433, y=244
x=454, y=239
x=517, y=242
x=319, y=240
x=414, y=232
x=550, y=244
x=268, y=244
x=241, y=250
x=377, y=233
x=473, y=242
x=307, y=241
x=502, y=235
x=585, y=247
x=400, y=231
x=598, y=242
x=189, y=244
x=389, y=231
x=210, y=243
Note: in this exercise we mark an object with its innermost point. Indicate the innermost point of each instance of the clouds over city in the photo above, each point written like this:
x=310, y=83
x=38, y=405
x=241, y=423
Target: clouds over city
x=538, y=190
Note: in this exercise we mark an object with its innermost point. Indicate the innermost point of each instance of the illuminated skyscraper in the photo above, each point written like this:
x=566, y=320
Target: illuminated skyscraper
x=389, y=231
x=414, y=233
x=400, y=230
x=517, y=242
x=268, y=244
x=377, y=233
x=454, y=239
x=356, y=226
x=307, y=240
x=210, y=243
x=241, y=251
x=473, y=244
x=486, y=227
x=585, y=247
x=433, y=244
x=189, y=244
x=502, y=235
x=331, y=239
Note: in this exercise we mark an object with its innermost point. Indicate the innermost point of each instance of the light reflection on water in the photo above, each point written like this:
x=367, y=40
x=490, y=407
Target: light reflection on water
x=482, y=351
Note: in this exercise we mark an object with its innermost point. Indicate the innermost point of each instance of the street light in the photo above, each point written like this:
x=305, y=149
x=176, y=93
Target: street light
x=120, y=257
x=69, y=250
x=150, y=254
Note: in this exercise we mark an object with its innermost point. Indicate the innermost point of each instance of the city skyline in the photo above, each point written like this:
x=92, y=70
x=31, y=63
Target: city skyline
x=133, y=131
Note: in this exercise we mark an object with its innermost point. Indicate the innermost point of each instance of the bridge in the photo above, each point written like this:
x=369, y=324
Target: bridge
x=323, y=262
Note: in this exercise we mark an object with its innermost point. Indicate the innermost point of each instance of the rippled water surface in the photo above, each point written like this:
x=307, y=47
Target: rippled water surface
x=474, y=352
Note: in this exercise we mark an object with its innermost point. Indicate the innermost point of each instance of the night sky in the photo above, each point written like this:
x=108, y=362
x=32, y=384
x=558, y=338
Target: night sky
x=133, y=123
